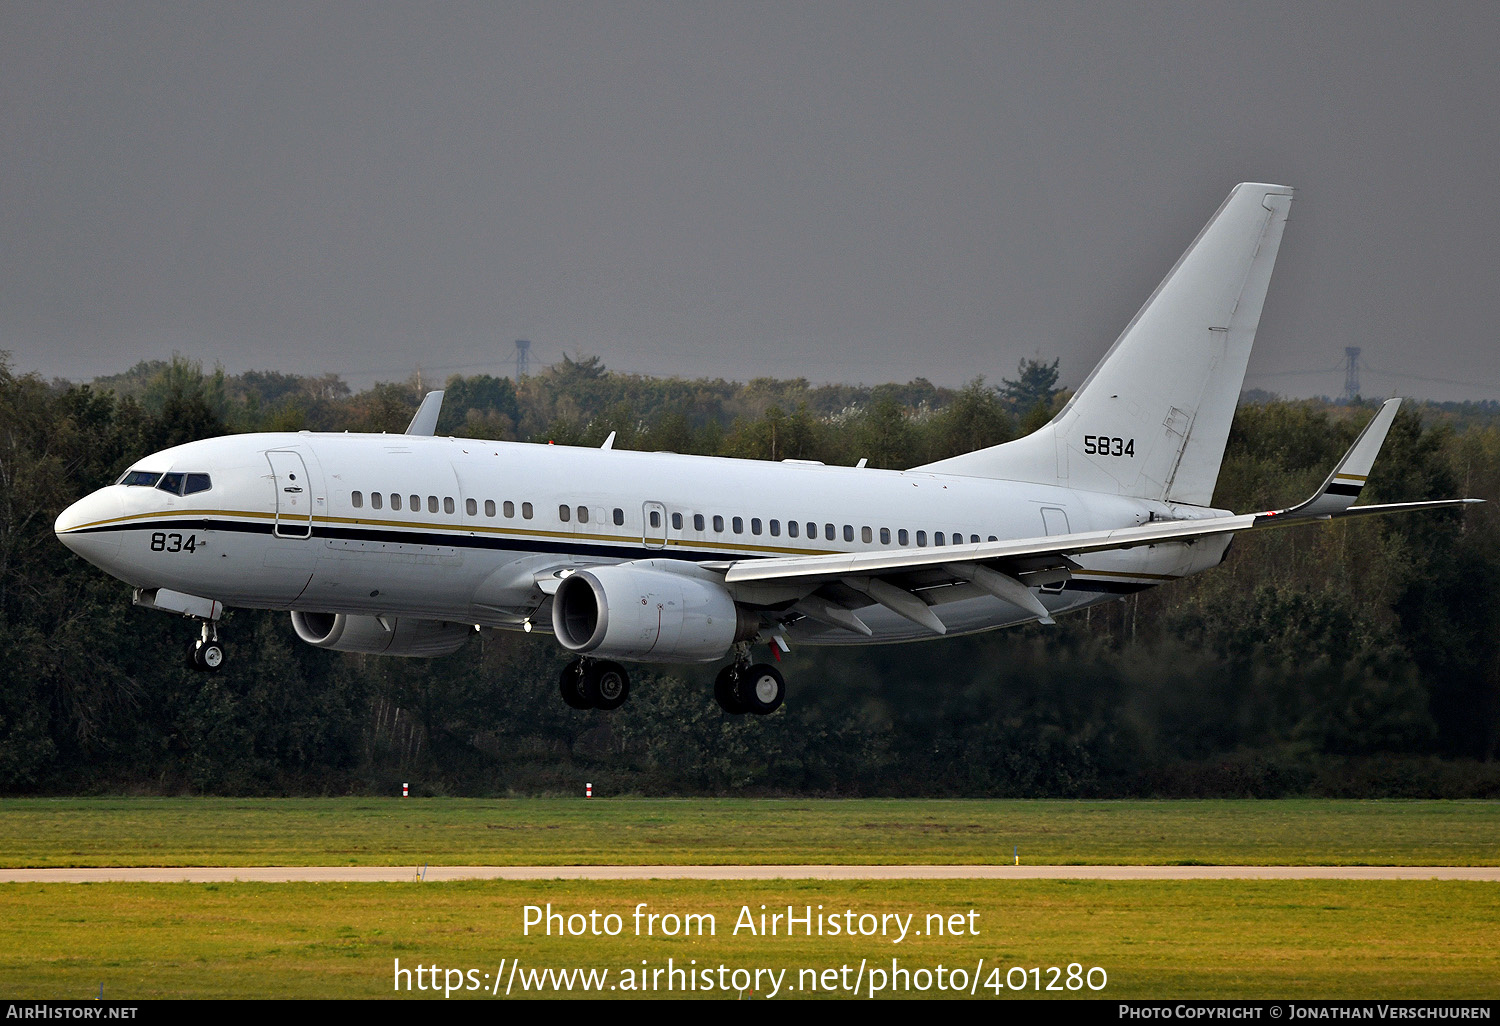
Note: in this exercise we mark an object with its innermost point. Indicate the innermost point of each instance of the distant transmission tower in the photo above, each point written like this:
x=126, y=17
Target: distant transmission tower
x=523, y=358
x=1351, y=372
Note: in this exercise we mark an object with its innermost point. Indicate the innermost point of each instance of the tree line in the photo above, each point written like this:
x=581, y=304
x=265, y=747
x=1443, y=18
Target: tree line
x=1357, y=658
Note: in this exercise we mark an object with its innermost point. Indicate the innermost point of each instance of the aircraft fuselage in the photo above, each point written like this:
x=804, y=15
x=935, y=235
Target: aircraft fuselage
x=463, y=526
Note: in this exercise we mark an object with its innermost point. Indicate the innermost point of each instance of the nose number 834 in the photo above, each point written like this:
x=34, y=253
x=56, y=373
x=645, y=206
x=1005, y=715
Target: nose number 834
x=1104, y=445
x=173, y=542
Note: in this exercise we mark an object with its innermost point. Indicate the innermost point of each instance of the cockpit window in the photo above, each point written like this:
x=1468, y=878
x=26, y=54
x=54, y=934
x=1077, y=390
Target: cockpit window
x=177, y=484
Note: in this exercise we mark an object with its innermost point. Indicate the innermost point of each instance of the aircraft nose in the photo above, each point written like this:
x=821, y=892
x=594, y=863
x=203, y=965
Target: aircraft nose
x=83, y=526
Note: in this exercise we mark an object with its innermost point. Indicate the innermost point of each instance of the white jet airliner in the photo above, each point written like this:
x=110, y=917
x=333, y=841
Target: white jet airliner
x=403, y=544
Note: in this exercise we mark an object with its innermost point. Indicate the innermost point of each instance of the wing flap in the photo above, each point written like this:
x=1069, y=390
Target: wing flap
x=857, y=564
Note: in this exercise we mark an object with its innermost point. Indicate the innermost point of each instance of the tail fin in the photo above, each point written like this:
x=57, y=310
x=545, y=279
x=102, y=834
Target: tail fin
x=1153, y=417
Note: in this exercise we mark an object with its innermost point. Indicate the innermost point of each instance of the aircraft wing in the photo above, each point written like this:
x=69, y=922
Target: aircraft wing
x=996, y=567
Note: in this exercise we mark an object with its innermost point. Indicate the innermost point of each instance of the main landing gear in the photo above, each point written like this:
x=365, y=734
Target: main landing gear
x=594, y=684
x=206, y=655
x=741, y=688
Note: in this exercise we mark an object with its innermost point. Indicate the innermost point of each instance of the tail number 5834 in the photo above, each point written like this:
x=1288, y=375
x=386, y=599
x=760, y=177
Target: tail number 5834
x=1104, y=445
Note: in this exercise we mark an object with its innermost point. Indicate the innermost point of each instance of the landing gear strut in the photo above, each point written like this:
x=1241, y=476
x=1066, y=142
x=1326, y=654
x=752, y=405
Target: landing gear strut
x=206, y=654
x=594, y=684
x=741, y=688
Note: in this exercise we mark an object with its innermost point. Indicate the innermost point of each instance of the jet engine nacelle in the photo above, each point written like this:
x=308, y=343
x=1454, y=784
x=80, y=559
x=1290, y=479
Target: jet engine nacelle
x=384, y=635
x=632, y=612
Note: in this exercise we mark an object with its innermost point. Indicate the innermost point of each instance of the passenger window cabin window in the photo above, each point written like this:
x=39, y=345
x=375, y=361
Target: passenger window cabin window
x=793, y=528
x=937, y=537
x=697, y=521
x=739, y=525
x=447, y=504
x=509, y=509
x=885, y=536
x=583, y=514
x=357, y=500
x=775, y=529
x=395, y=501
x=676, y=521
x=489, y=507
x=902, y=538
x=848, y=532
x=993, y=538
x=812, y=531
x=432, y=503
x=755, y=525
x=830, y=532
x=471, y=507
x=375, y=500
x=865, y=535
x=974, y=538
x=718, y=523
x=921, y=539
x=196, y=483
x=416, y=503
x=526, y=510
x=564, y=514
x=620, y=517
x=655, y=518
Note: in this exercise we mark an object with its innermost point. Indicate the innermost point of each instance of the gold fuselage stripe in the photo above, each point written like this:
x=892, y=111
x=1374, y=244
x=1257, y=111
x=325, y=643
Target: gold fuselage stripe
x=514, y=532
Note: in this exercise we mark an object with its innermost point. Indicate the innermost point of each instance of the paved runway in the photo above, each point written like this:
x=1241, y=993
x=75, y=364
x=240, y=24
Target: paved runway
x=367, y=874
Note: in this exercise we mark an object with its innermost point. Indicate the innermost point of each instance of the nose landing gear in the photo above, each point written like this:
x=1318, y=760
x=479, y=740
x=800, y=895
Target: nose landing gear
x=206, y=654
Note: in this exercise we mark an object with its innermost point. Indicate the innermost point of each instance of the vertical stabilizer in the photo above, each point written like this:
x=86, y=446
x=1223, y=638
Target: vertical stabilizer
x=1153, y=417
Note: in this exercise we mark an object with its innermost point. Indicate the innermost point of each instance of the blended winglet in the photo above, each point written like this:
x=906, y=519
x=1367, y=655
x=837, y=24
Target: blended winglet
x=1342, y=487
x=425, y=422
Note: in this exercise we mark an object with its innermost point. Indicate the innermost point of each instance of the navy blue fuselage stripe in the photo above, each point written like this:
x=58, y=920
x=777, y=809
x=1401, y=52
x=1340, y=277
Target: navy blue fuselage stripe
x=555, y=546
x=624, y=550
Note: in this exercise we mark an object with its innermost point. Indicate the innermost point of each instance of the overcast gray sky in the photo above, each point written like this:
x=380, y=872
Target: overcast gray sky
x=855, y=192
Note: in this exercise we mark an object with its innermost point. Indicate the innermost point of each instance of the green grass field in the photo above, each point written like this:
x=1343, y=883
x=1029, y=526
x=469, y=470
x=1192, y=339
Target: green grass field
x=450, y=831
x=1187, y=939
x=1205, y=939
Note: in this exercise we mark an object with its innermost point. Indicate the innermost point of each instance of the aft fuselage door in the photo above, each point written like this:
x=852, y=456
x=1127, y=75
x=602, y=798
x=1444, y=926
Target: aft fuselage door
x=294, y=498
x=654, y=525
